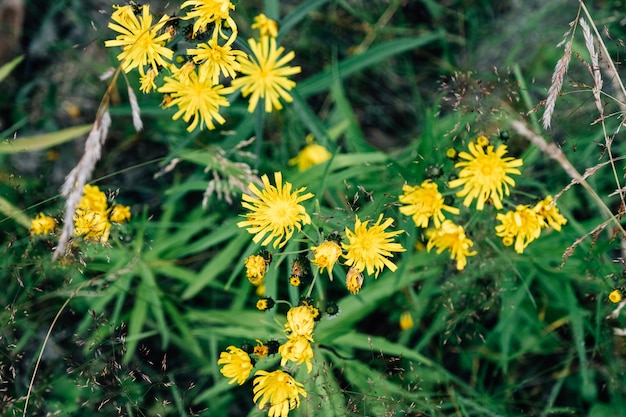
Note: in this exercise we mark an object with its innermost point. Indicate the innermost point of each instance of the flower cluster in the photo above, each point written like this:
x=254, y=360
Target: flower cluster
x=198, y=82
x=276, y=215
x=92, y=220
x=484, y=178
x=278, y=388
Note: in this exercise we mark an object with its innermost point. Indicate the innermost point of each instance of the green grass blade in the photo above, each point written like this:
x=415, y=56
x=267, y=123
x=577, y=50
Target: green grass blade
x=379, y=53
x=7, y=68
x=35, y=143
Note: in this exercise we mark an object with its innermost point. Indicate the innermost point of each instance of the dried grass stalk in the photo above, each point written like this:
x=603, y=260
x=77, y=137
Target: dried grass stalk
x=557, y=79
x=75, y=181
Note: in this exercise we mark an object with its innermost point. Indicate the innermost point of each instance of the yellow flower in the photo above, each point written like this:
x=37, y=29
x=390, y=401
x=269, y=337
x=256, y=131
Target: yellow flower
x=297, y=349
x=265, y=303
x=523, y=224
x=451, y=153
x=354, y=280
x=615, y=296
x=196, y=100
x=406, y=320
x=92, y=225
x=275, y=211
x=42, y=225
x=255, y=269
x=215, y=59
x=93, y=199
x=326, y=256
x=119, y=214
x=266, y=26
x=551, y=215
x=140, y=43
x=300, y=321
x=146, y=81
x=451, y=237
x=207, y=12
x=265, y=76
x=369, y=248
x=424, y=202
x=485, y=175
x=237, y=364
x=482, y=141
x=279, y=389
x=312, y=154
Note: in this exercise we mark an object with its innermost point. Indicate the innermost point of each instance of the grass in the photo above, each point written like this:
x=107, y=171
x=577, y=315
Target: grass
x=136, y=326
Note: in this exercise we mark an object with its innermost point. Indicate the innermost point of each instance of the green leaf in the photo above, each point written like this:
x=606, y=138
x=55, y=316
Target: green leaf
x=137, y=320
x=7, y=68
x=35, y=143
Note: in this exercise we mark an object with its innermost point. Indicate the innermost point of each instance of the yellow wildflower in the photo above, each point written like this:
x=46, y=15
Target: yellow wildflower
x=451, y=237
x=42, y=225
x=523, y=224
x=266, y=26
x=119, y=213
x=265, y=74
x=485, y=175
x=275, y=212
x=297, y=349
x=279, y=389
x=312, y=154
x=198, y=101
x=237, y=364
x=256, y=267
x=548, y=211
x=424, y=202
x=369, y=249
x=141, y=45
x=326, y=256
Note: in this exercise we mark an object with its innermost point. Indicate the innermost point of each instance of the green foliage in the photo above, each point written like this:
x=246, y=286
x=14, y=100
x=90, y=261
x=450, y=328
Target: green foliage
x=136, y=326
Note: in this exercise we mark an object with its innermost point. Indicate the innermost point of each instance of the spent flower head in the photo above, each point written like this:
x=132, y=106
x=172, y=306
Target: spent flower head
x=369, y=248
x=485, y=175
x=265, y=74
x=274, y=212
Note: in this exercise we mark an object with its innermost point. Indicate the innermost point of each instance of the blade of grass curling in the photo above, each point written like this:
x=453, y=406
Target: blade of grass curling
x=324, y=80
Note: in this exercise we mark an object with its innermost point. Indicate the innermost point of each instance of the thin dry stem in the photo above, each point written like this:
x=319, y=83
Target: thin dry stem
x=75, y=181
